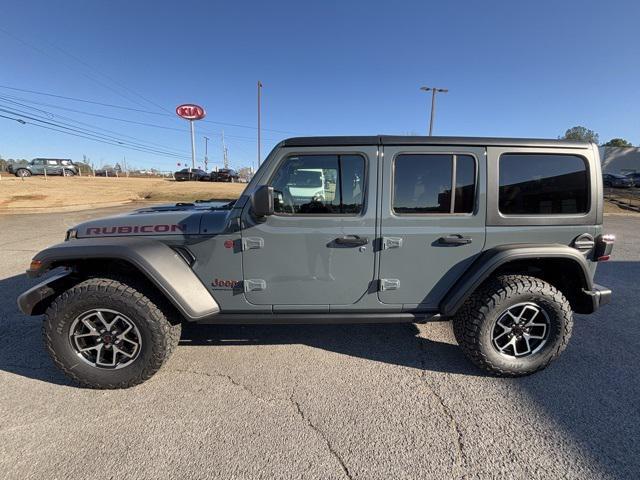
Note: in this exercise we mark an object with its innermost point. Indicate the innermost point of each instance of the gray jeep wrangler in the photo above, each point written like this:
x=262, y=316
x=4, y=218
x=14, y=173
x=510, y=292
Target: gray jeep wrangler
x=502, y=236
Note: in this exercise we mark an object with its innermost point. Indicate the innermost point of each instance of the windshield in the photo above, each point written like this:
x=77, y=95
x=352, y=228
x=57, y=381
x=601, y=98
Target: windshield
x=306, y=179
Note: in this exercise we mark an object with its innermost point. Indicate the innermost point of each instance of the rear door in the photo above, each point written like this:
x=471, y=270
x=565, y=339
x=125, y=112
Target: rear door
x=432, y=221
x=53, y=167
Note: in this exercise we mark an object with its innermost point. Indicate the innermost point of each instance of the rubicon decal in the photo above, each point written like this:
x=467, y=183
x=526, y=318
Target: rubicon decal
x=129, y=229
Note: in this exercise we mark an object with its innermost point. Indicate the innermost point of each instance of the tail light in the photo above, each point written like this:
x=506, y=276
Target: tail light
x=603, y=248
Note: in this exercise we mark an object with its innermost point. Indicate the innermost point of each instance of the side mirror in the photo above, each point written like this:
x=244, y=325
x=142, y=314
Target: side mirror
x=262, y=201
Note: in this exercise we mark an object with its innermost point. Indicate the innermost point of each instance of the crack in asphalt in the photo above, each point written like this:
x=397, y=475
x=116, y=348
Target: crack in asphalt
x=319, y=432
x=296, y=405
x=229, y=378
x=461, y=456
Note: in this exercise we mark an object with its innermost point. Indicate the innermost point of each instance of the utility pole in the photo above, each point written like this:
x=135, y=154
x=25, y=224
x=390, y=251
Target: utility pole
x=259, y=98
x=433, y=91
x=206, y=150
x=225, y=157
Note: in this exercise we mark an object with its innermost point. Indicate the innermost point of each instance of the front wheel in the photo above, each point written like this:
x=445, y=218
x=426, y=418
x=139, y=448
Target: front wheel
x=103, y=333
x=23, y=172
x=67, y=173
x=514, y=325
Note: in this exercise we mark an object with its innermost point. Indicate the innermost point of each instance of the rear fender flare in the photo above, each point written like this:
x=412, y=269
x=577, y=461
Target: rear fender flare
x=491, y=260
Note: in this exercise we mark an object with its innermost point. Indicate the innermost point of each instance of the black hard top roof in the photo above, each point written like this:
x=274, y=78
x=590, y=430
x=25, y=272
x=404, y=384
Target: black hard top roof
x=416, y=140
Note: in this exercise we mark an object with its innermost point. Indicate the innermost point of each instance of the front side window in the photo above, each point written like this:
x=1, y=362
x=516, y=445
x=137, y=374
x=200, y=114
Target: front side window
x=422, y=184
x=317, y=184
x=543, y=184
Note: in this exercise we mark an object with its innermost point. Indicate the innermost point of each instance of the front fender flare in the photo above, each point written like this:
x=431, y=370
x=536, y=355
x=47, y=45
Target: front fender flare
x=158, y=262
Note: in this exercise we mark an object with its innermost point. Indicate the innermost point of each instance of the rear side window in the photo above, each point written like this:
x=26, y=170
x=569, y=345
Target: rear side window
x=422, y=184
x=543, y=184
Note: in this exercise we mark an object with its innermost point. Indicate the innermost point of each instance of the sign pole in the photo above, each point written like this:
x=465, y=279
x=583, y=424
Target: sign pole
x=193, y=146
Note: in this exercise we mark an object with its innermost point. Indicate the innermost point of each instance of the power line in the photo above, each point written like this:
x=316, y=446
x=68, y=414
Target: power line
x=110, y=105
x=46, y=54
x=83, y=133
x=146, y=124
x=52, y=115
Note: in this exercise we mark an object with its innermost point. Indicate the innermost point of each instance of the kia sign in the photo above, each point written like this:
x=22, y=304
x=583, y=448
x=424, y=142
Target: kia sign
x=189, y=111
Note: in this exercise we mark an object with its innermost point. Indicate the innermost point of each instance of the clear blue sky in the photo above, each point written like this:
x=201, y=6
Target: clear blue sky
x=513, y=68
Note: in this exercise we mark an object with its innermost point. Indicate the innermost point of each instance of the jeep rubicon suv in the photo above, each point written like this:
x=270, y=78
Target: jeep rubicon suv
x=502, y=236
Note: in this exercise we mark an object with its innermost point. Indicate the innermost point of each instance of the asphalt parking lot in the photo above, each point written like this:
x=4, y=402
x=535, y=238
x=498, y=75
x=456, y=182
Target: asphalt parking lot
x=360, y=402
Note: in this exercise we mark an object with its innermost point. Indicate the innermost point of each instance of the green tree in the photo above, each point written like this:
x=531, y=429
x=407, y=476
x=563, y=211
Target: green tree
x=618, y=142
x=581, y=133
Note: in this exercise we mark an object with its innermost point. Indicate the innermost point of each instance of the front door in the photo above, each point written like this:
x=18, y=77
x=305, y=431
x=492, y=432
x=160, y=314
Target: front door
x=432, y=221
x=316, y=250
x=37, y=166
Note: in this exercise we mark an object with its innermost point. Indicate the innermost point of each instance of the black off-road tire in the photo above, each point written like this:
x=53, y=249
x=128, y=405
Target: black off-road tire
x=23, y=172
x=474, y=322
x=159, y=331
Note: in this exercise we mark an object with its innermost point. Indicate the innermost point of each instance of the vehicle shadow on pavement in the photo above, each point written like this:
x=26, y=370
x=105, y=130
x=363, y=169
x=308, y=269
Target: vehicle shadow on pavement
x=21, y=347
x=396, y=344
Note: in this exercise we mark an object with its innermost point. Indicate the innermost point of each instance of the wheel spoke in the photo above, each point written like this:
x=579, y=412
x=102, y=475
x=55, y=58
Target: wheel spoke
x=82, y=335
x=118, y=350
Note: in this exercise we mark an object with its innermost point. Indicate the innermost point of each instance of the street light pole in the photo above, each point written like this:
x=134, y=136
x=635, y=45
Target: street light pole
x=433, y=91
x=259, y=94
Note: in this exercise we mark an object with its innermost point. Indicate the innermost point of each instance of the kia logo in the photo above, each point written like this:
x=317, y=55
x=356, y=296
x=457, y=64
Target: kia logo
x=190, y=111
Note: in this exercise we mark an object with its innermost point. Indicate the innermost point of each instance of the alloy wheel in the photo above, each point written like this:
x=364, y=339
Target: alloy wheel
x=105, y=339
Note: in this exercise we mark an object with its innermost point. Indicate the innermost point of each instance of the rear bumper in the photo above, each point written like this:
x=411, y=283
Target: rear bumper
x=599, y=296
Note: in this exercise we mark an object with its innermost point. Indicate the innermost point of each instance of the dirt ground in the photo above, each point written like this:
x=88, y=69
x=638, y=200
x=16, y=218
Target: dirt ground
x=37, y=195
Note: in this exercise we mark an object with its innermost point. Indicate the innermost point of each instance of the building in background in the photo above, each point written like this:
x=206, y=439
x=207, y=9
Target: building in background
x=620, y=159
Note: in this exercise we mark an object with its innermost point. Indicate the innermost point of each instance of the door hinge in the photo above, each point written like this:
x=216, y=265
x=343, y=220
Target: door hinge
x=391, y=242
x=251, y=243
x=254, y=285
x=389, y=284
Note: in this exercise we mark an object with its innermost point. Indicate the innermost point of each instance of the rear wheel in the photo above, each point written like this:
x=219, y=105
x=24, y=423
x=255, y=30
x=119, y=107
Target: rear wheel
x=514, y=325
x=103, y=333
x=23, y=172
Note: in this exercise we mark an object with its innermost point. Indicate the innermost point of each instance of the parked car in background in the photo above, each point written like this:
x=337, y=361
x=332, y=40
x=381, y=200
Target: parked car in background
x=40, y=166
x=616, y=180
x=106, y=172
x=225, y=175
x=635, y=178
x=194, y=174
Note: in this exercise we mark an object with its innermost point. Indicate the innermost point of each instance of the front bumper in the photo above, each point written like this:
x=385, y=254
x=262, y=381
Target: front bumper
x=599, y=295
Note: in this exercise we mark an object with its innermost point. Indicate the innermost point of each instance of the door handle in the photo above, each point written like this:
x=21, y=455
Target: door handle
x=353, y=240
x=455, y=239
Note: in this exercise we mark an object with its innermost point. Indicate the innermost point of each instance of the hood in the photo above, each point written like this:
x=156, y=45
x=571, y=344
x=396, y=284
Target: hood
x=174, y=219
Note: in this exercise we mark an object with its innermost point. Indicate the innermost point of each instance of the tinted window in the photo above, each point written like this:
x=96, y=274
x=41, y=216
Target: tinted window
x=543, y=184
x=422, y=183
x=309, y=184
x=465, y=184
